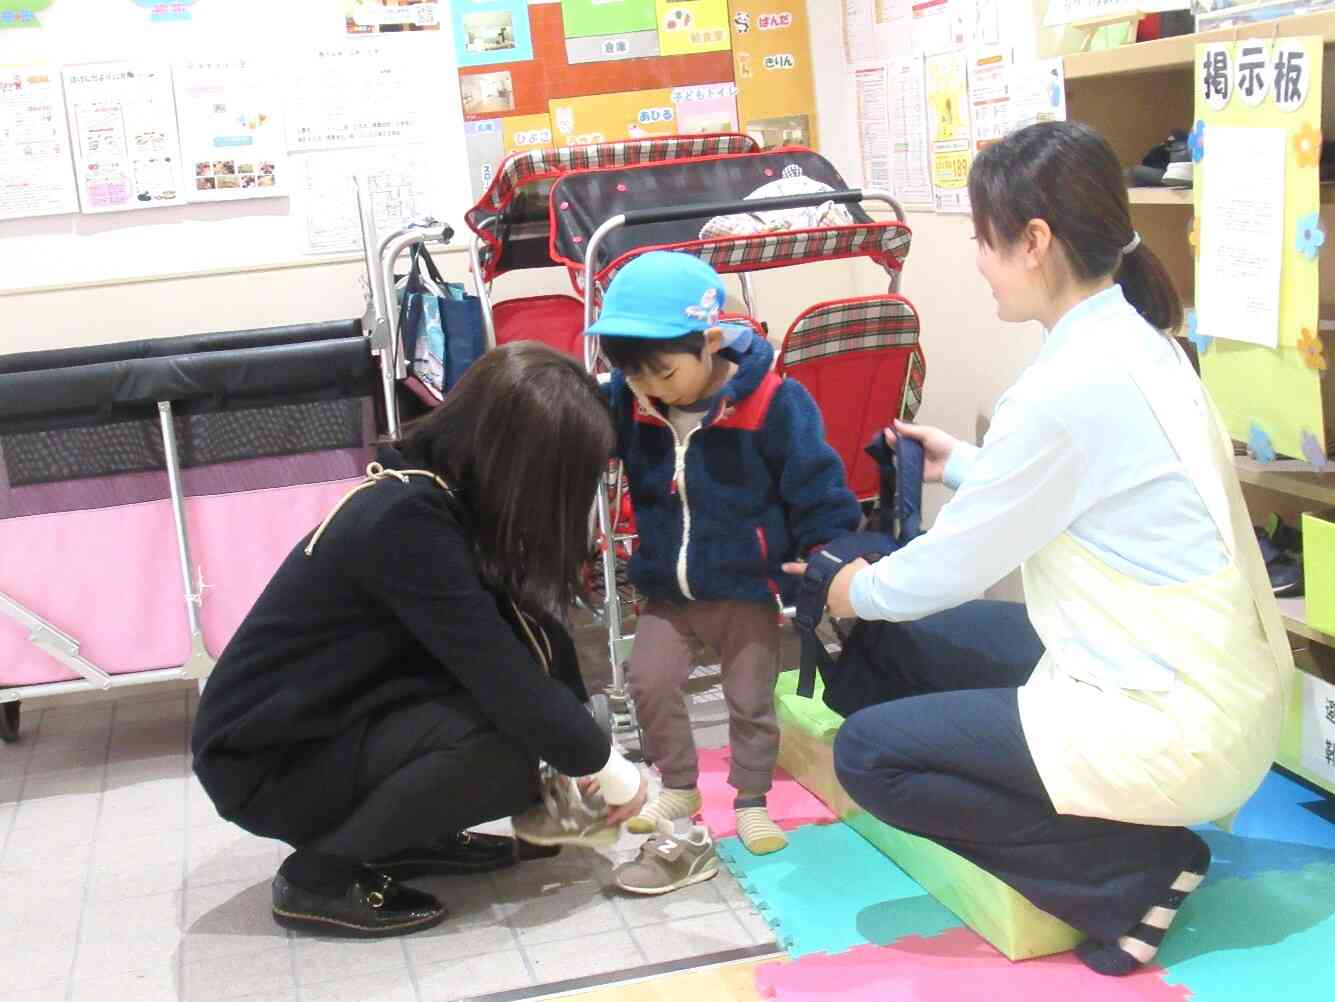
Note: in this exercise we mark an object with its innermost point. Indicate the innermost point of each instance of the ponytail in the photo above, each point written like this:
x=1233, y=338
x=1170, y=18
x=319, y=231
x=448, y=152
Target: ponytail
x=1147, y=287
x=1066, y=174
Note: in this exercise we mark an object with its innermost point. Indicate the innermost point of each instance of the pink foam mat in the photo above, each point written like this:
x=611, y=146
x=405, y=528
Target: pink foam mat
x=956, y=966
x=790, y=805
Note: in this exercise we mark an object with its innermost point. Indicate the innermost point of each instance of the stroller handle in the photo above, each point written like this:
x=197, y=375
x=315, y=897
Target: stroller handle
x=676, y=213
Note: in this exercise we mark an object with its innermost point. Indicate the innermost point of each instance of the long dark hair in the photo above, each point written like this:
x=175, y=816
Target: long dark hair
x=523, y=437
x=1066, y=174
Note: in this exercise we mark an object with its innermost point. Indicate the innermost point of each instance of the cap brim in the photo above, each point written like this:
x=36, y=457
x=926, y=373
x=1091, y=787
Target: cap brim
x=613, y=327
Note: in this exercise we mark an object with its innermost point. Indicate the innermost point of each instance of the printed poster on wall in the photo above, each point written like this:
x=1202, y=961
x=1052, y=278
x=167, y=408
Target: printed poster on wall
x=600, y=71
x=36, y=173
x=1258, y=224
x=873, y=100
x=400, y=183
x=127, y=154
x=949, y=132
x=360, y=94
x=776, y=90
x=371, y=17
x=160, y=11
x=910, y=152
x=231, y=132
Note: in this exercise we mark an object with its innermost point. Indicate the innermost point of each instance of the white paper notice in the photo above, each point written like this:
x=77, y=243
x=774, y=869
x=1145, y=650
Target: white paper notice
x=36, y=174
x=1038, y=93
x=859, y=30
x=990, y=103
x=360, y=95
x=909, y=156
x=1242, y=194
x=1318, y=725
x=933, y=28
x=894, y=29
x=874, y=127
x=231, y=131
x=127, y=154
x=401, y=188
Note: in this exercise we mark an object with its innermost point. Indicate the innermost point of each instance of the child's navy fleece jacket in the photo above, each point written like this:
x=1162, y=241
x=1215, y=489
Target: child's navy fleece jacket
x=756, y=484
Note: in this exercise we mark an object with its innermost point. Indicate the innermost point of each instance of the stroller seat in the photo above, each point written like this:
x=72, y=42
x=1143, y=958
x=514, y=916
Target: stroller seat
x=557, y=321
x=859, y=359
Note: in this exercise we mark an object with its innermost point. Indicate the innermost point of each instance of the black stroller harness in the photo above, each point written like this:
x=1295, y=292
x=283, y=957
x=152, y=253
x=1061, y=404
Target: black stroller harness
x=901, y=471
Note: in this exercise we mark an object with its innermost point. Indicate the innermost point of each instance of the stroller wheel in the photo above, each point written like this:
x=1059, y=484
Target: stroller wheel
x=9, y=722
x=601, y=708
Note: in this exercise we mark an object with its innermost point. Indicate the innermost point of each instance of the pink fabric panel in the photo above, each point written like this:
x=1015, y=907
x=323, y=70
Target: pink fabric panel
x=107, y=577
x=237, y=542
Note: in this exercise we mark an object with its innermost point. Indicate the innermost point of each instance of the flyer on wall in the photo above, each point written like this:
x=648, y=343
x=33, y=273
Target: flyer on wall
x=949, y=130
x=36, y=174
x=910, y=154
x=874, y=127
x=127, y=154
x=231, y=133
x=365, y=94
x=400, y=183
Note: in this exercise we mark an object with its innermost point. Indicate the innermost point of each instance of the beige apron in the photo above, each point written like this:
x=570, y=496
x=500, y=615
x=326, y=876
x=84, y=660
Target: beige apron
x=1193, y=749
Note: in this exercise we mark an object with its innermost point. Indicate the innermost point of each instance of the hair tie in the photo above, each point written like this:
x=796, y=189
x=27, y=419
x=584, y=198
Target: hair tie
x=1135, y=242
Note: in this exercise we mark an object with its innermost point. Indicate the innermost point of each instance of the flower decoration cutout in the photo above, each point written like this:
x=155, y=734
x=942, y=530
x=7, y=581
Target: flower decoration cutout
x=1307, y=145
x=1196, y=142
x=1311, y=236
x=1312, y=351
x=1194, y=335
x=1313, y=453
x=1259, y=444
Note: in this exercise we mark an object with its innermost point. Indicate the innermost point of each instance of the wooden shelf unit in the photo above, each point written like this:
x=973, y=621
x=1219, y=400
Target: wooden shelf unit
x=1179, y=52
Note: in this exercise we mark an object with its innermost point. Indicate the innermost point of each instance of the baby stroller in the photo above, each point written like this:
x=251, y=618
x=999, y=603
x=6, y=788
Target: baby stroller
x=706, y=196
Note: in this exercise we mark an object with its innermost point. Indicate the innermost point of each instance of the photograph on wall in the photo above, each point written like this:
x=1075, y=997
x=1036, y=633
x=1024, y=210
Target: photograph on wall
x=372, y=17
x=491, y=32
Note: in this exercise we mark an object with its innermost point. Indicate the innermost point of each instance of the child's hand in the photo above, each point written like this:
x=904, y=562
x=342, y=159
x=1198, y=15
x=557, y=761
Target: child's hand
x=936, y=444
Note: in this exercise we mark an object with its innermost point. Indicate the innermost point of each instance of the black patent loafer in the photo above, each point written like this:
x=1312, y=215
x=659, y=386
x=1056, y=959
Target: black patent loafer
x=373, y=907
x=461, y=854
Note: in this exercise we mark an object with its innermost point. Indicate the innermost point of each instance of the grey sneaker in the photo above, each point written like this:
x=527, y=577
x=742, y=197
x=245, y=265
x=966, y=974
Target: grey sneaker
x=669, y=861
x=564, y=816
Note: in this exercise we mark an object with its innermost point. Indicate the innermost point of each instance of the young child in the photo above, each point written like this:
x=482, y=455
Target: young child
x=730, y=475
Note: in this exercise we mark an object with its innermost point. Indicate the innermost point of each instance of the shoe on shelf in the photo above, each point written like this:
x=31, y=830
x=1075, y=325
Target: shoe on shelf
x=1168, y=164
x=460, y=854
x=564, y=816
x=1286, y=573
x=374, y=906
x=1287, y=537
x=669, y=861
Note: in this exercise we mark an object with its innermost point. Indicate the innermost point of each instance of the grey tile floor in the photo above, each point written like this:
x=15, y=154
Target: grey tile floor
x=119, y=883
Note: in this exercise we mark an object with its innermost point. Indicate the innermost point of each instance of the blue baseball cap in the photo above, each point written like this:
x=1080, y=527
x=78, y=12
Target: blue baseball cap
x=664, y=295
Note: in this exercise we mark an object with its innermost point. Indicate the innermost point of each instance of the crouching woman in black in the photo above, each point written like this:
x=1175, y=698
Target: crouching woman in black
x=400, y=677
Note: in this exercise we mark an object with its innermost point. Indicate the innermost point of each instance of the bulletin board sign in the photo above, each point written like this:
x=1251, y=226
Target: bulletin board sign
x=592, y=71
x=1256, y=148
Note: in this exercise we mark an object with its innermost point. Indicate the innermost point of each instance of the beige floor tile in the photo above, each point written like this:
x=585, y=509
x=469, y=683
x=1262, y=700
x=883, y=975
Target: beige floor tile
x=265, y=974
x=588, y=955
x=226, y=920
x=446, y=942
x=467, y=976
x=384, y=986
x=692, y=937
x=157, y=984
x=652, y=909
x=320, y=960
